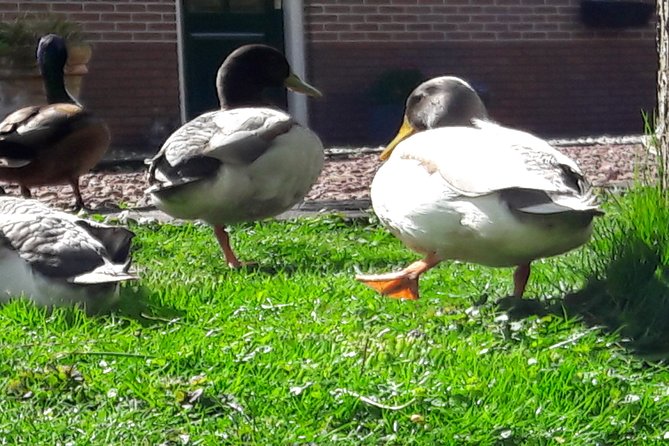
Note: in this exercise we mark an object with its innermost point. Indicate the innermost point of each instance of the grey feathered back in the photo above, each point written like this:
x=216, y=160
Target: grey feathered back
x=62, y=246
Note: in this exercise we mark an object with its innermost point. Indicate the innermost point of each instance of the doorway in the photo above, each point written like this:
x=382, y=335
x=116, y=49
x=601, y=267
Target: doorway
x=212, y=29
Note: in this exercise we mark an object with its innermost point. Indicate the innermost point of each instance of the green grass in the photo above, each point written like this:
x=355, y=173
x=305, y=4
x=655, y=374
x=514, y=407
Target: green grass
x=297, y=352
x=628, y=290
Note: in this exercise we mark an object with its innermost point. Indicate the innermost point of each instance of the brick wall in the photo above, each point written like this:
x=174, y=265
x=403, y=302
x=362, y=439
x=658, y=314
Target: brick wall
x=546, y=72
x=555, y=89
x=133, y=75
x=452, y=20
x=107, y=21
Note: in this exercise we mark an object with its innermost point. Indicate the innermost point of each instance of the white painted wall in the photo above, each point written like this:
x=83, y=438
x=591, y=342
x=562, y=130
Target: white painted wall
x=180, y=59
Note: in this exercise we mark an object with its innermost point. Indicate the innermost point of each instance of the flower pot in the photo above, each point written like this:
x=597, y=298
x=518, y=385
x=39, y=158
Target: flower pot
x=78, y=56
x=21, y=86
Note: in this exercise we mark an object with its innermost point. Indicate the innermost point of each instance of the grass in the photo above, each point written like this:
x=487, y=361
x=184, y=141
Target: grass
x=297, y=352
x=628, y=288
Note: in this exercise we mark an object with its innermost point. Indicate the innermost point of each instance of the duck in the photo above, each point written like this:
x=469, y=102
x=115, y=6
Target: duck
x=454, y=185
x=54, y=143
x=54, y=258
x=243, y=162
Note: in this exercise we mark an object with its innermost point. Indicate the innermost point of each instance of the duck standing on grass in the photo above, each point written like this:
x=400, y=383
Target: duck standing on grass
x=54, y=258
x=244, y=162
x=54, y=143
x=477, y=192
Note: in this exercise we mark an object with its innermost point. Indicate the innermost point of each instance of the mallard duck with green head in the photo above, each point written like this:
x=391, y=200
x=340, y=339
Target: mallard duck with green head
x=54, y=143
x=245, y=162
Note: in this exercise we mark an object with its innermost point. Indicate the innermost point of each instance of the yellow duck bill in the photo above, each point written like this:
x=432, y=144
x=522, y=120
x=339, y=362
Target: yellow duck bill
x=294, y=83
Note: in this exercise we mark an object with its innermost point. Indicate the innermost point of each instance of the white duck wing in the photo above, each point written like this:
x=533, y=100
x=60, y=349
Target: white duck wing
x=527, y=172
x=198, y=149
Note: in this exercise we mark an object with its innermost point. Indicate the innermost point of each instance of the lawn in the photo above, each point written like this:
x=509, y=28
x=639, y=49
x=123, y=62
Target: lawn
x=297, y=352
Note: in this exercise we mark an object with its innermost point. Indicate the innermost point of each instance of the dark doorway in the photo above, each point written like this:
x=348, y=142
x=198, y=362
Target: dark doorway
x=212, y=29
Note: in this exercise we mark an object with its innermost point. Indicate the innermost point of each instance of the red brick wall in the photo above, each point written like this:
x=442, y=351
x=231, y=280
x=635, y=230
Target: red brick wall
x=133, y=75
x=452, y=20
x=551, y=88
x=134, y=87
x=546, y=71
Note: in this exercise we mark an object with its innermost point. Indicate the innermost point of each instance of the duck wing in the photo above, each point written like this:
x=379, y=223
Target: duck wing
x=197, y=150
x=27, y=131
x=528, y=174
x=63, y=246
x=116, y=240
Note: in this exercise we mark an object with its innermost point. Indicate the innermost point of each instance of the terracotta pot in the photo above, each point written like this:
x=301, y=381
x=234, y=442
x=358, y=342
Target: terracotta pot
x=78, y=56
x=21, y=82
x=21, y=87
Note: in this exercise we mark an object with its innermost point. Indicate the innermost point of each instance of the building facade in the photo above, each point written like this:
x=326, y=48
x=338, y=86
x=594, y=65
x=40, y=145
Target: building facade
x=543, y=67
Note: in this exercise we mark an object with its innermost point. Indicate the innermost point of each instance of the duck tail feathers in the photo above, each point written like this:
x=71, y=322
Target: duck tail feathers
x=105, y=274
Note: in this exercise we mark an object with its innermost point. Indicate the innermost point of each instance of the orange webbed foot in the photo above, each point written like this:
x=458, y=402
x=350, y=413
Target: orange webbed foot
x=395, y=285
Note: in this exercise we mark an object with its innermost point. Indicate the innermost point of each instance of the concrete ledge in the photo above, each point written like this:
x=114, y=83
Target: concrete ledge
x=348, y=208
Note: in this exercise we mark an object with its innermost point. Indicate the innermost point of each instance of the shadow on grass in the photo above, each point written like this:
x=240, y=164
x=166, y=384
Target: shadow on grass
x=134, y=303
x=318, y=253
x=323, y=260
x=628, y=296
x=139, y=303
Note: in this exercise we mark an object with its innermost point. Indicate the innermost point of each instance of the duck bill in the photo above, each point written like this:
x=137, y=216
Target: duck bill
x=294, y=83
x=404, y=132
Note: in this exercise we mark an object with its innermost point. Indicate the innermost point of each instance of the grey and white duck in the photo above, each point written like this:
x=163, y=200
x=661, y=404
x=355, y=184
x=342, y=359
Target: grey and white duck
x=456, y=186
x=54, y=258
x=245, y=162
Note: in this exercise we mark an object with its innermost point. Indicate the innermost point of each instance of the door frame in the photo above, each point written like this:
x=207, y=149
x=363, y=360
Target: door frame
x=293, y=34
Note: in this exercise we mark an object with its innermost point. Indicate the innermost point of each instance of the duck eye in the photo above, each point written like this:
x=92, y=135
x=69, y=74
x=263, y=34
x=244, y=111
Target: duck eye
x=416, y=98
x=421, y=97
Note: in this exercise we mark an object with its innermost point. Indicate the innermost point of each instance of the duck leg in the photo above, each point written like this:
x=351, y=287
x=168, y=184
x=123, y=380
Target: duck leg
x=520, y=277
x=78, y=200
x=224, y=241
x=402, y=284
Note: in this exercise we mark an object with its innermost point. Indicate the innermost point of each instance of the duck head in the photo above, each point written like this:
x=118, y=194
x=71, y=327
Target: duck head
x=249, y=70
x=51, y=60
x=439, y=102
x=51, y=53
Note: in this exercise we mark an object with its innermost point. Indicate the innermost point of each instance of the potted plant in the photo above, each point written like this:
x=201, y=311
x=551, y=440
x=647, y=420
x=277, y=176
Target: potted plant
x=20, y=80
x=387, y=96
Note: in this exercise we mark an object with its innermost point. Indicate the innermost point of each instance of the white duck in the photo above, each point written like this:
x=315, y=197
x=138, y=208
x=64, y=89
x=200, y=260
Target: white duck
x=244, y=162
x=477, y=192
x=55, y=258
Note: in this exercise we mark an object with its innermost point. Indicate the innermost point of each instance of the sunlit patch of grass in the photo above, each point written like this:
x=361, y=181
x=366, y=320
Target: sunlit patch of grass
x=296, y=351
